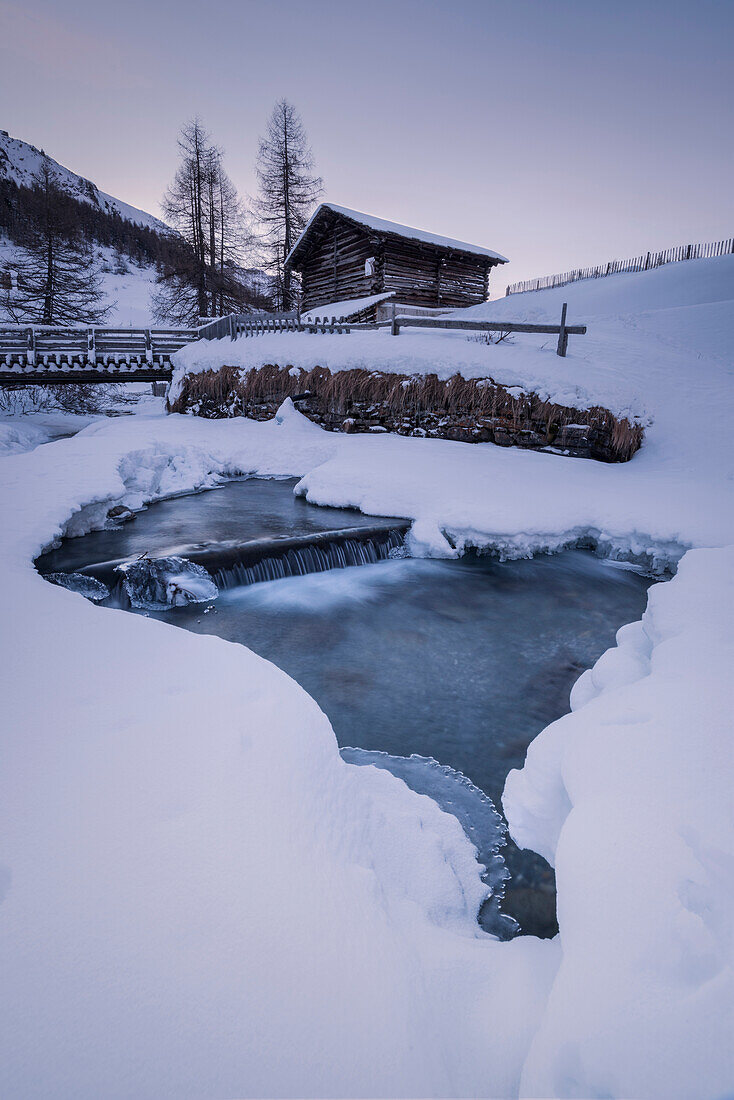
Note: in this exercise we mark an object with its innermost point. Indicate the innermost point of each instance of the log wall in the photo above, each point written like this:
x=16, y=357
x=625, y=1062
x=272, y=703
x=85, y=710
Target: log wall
x=424, y=276
x=333, y=269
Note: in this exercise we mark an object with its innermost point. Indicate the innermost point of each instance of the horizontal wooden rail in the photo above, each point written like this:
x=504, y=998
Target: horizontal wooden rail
x=236, y=325
x=562, y=330
x=486, y=326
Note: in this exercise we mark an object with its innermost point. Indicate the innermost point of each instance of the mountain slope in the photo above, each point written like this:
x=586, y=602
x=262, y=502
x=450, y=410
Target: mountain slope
x=21, y=162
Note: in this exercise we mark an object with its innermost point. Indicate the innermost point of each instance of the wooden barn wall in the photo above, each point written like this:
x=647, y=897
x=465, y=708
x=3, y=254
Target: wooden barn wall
x=420, y=276
x=325, y=279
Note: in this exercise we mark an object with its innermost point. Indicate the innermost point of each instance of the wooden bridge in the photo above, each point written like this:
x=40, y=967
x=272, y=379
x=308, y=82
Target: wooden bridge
x=51, y=355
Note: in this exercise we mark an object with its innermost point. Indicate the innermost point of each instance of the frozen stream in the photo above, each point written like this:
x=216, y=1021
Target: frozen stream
x=465, y=661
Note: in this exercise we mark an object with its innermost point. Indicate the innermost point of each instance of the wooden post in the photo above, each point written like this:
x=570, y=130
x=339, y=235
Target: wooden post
x=91, y=349
x=148, y=347
x=31, y=356
x=562, y=335
x=395, y=328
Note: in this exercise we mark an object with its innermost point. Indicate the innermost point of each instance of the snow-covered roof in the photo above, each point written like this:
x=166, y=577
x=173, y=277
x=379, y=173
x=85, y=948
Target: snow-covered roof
x=380, y=225
x=347, y=308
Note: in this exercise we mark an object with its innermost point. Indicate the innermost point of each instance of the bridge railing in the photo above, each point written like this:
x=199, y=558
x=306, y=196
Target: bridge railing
x=44, y=345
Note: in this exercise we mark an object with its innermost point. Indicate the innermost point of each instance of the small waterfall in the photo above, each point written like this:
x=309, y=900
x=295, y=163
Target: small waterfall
x=313, y=559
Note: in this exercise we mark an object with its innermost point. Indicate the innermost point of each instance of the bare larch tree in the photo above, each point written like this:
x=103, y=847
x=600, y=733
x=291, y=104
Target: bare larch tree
x=288, y=191
x=203, y=205
x=58, y=279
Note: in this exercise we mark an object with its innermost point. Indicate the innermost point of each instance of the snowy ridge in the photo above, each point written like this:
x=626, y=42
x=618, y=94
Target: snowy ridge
x=20, y=162
x=642, y=331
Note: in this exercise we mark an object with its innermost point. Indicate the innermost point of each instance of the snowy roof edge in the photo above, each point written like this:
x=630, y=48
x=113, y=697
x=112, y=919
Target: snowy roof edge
x=380, y=225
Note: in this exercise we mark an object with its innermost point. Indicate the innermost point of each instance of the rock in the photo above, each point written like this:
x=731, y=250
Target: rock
x=120, y=513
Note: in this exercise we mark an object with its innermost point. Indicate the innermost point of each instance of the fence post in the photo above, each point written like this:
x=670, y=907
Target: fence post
x=91, y=349
x=562, y=335
x=31, y=356
x=148, y=347
x=395, y=328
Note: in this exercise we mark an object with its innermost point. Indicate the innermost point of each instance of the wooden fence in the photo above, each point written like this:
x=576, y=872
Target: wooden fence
x=562, y=330
x=244, y=324
x=248, y=324
x=645, y=262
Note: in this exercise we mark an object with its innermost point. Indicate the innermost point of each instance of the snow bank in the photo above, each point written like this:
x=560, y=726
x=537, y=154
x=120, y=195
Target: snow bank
x=529, y=363
x=630, y=799
x=23, y=432
x=201, y=897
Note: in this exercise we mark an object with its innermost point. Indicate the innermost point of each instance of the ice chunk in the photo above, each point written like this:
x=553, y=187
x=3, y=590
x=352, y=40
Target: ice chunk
x=457, y=795
x=158, y=583
x=78, y=582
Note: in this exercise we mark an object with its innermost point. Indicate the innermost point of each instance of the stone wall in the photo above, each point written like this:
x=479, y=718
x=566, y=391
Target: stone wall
x=471, y=411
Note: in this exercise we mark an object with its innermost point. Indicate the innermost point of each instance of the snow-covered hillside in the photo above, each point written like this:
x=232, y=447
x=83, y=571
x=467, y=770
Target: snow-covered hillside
x=127, y=287
x=21, y=162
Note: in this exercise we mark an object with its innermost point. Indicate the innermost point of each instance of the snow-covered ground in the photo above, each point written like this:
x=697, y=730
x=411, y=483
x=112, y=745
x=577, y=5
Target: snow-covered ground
x=202, y=898
x=672, y=365
x=23, y=426
x=26, y=431
x=647, y=333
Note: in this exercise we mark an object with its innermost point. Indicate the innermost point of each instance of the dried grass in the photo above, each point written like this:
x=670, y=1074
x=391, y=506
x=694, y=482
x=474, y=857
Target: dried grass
x=406, y=396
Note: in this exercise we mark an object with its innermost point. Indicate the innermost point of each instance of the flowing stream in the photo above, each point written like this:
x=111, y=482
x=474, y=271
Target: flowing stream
x=461, y=661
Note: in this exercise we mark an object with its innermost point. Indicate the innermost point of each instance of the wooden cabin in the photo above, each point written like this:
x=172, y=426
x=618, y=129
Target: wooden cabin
x=343, y=255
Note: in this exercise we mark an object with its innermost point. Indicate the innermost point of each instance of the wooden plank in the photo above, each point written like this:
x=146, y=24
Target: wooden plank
x=562, y=335
x=58, y=376
x=485, y=326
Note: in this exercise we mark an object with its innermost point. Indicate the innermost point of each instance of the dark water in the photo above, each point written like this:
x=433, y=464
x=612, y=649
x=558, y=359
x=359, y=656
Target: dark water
x=465, y=661
x=254, y=508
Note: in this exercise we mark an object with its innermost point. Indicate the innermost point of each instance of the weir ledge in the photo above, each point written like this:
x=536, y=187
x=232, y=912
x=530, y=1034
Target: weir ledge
x=215, y=556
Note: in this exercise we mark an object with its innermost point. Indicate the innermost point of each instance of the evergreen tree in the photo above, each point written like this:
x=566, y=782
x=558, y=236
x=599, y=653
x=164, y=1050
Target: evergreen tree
x=288, y=191
x=58, y=279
